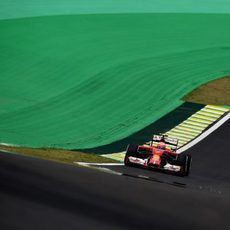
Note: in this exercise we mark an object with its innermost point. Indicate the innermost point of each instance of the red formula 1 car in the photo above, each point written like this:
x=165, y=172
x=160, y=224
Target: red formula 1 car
x=159, y=154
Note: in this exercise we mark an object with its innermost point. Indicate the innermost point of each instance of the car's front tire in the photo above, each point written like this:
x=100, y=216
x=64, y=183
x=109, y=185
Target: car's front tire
x=131, y=151
x=184, y=160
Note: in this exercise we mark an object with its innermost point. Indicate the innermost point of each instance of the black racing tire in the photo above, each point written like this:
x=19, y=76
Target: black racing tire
x=188, y=165
x=131, y=151
x=184, y=160
x=180, y=160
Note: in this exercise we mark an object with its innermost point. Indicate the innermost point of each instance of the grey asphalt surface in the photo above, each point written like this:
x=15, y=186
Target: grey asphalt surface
x=38, y=194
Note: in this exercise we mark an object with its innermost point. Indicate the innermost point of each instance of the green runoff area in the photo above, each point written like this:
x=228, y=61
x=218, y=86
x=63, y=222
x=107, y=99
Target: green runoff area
x=78, y=77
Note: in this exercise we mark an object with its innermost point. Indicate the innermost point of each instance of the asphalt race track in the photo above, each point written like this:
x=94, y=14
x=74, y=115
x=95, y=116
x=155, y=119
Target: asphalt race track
x=38, y=194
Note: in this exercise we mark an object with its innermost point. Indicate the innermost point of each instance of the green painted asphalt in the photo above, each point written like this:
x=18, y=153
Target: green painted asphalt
x=31, y=8
x=82, y=81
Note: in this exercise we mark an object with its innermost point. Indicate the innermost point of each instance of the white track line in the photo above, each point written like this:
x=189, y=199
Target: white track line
x=107, y=170
x=99, y=164
x=205, y=134
x=4, y=151
x=11, y=145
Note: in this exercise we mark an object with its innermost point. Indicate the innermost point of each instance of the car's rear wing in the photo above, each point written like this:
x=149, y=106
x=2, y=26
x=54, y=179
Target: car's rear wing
x=167, y=140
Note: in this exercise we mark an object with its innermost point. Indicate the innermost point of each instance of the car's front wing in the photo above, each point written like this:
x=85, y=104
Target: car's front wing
x=144, y=163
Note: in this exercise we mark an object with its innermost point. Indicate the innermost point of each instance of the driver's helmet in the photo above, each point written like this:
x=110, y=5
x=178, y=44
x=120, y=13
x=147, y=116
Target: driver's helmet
x=161, y=145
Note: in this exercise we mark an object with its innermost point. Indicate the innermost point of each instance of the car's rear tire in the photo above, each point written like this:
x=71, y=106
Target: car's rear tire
x=184, y=160
x=131, y=151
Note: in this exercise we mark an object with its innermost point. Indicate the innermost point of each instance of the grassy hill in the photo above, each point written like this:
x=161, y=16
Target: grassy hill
x=81, y=81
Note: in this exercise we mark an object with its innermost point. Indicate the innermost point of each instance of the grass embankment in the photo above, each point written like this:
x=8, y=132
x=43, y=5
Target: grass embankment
x=58, y=155
x=104, y=66
x=215, y=92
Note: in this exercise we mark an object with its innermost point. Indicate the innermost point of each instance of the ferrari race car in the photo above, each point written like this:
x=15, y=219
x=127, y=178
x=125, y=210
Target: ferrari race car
x=159, y=154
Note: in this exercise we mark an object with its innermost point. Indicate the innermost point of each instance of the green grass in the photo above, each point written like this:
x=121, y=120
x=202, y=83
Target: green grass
x=33, y=8
x=82, y=81
x=215, y=92
x=58, y=155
